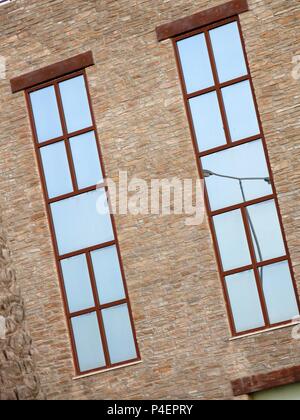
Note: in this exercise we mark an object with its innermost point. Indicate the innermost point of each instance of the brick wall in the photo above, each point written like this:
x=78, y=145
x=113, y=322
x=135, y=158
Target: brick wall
x=172, y=277
x=18, y=377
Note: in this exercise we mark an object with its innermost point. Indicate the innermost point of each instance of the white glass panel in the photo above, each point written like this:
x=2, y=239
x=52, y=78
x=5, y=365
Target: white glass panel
x=195, y=63
x=232, y=240
x=86, y=160
x=279, y=293
x=119, y=334
x=77, y=283
x=207, y=121
x=264, y=223
x=78, y=222
x=228, y=52
x=246, y=161
x=108, y=274
x=46, y=115
x=88, y=342
x=56, y=169
x=240, y=109
x=244, y=300
x=75, y=104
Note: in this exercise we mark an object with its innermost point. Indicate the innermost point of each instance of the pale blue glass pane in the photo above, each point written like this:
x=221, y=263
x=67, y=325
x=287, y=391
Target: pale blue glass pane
x=79, y=224
x=195, y=63
x=244, y=300
x=56, y=169
x=245, y=161
x=240, y=110
x=119, y=334
x=75, y=104
x=266, y=228
x=279, y=293
x=86, y=160
x=46, y=115
x=232, y=240
x=88, y=342
x=108, y=274
x=77, y=283
x=207, y=121
x=228, y=52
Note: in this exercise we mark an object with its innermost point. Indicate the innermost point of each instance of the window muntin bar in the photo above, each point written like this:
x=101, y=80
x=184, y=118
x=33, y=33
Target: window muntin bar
x=224, y=166
x=81, y=225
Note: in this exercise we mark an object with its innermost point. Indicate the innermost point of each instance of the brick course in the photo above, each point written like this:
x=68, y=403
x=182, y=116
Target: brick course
x=172, y=277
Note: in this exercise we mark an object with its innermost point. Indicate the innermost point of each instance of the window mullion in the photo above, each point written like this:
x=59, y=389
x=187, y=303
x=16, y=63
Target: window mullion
x=66, y=139
x=245, y=217
x=99, y=314
x=218, y=88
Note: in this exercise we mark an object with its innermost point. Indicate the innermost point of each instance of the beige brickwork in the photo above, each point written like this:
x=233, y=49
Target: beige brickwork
x=172, y=277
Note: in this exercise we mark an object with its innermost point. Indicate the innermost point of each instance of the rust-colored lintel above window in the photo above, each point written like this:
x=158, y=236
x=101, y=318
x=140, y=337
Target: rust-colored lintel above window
x=51, y=72
x=264, y=382
x=190, y=23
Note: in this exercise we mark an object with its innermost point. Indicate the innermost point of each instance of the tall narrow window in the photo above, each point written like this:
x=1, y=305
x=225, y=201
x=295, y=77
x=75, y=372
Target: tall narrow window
x=85, y=242
x=251, y=248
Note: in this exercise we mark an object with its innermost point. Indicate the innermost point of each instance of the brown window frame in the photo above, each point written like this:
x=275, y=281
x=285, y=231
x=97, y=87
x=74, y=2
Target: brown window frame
x=255, y=266
x=35, y=77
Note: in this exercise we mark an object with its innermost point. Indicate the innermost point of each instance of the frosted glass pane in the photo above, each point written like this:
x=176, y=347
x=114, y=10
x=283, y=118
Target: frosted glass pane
x=207, y=121
x=77, y=283
x=232, y=240
x=46, y=115
x=279, y=293
x=240, y=109
x=228, y=52
x=108, y=274
x=195, y=63
x=56, y=169
x=244, y=300
x=86, y=160
x=78, y=224
x=88, y=342
x=119, y=334
x=266, y=227
x=246, y=161
x=75, y=104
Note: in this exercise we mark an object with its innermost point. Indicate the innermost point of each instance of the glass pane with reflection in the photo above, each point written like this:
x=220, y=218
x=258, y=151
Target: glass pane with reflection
x=245, y=161
x=279, y=292
x=56, y=169
x=240, y=110
x=75, y=103
x=46, y=114
x=244, y=301
x=86, y=160
x=232, y=240
x=108, y=275
x=228, y=52
x=82, y=221
x=195, y=63
x=77, y=283
x=88, y=342
x=119, y=334
x=266, y=231
x=207, y=121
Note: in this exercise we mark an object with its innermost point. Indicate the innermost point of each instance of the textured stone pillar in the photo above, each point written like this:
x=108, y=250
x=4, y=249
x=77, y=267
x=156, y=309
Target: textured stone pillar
x=18, y=380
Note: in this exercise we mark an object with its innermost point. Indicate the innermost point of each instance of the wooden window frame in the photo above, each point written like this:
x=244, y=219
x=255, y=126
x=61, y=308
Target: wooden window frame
x=217, y=87
x=34, y=79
